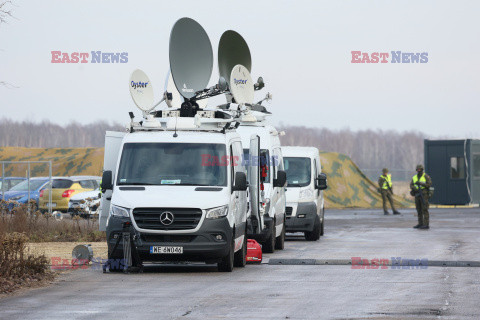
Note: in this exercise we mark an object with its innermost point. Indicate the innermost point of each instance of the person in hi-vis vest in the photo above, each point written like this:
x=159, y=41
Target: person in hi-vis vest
x=420, y=184
x=386, y=190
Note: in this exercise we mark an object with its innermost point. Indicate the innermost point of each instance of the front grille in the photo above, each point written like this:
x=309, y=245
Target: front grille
x=183, y=218
x=289, y=211
x=167, y=238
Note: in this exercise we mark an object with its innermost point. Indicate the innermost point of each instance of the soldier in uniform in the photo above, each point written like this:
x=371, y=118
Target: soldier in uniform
x=386, y=189
x=420, y=184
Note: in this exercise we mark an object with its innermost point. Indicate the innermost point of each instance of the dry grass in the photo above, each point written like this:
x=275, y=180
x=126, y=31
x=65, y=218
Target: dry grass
x=18, y=267
x=45, y=228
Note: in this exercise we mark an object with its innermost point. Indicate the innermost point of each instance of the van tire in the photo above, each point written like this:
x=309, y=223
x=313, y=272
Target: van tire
x=280, y=241
x=269, y=245
x=314, y=235
x=240, y=259
x=226, y=265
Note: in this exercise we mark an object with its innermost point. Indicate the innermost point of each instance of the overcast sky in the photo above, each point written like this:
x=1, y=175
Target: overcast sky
x=301, y=48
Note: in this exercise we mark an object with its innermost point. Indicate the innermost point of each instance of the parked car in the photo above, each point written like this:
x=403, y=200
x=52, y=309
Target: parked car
x=8, y=183
x=85, y=204
x=19, y=192
x=63, y=188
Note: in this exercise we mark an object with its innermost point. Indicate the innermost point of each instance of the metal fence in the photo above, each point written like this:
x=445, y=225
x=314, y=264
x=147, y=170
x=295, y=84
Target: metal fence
x=29, y=166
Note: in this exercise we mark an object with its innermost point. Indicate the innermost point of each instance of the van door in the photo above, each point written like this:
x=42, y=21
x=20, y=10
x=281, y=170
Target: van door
x=254, y=183
x=239, y=198
x=113, y=142
x=278, y=192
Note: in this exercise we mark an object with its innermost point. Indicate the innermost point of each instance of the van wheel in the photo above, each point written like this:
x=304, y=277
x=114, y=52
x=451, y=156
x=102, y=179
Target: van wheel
x=269, y=245
x=280, y=241
x=226, y=265
x=240, y=259
x=314, y=235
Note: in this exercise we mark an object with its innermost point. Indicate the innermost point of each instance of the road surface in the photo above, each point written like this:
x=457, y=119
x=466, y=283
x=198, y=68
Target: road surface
x=289, y=291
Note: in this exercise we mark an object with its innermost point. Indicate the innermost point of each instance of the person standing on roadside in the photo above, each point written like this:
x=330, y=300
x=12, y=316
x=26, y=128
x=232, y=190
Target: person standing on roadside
x=386, y=190
x=420, y=185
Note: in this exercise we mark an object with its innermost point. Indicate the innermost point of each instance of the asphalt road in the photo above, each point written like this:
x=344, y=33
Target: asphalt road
x=291, y=291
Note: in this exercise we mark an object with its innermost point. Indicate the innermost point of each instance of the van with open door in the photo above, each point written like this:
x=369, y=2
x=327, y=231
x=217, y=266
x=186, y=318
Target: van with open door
x=269, y=226
x=305, y=185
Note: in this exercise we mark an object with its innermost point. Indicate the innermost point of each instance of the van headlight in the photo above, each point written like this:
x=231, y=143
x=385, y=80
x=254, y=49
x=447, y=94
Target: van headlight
x=217, y=212
x=305, y=194
x=119, y=211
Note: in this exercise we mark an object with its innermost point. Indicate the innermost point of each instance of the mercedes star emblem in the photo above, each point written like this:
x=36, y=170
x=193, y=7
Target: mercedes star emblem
x=166, y=218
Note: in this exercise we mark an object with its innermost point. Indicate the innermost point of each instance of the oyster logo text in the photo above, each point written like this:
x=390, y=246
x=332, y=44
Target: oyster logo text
x=139, y=84
x=392, y=57
x=89, y=57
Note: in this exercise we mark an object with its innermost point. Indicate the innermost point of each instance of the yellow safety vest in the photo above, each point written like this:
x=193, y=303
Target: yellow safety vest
x=415, y=180
x=387, y=184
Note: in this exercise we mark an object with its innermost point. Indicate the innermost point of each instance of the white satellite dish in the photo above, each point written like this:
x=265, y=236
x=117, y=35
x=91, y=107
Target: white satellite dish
x=141, y=90
x=241, y=85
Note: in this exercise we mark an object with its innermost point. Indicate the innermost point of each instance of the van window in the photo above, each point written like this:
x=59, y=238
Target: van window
x=298, y=171
x=264, y=156
x=199, y=164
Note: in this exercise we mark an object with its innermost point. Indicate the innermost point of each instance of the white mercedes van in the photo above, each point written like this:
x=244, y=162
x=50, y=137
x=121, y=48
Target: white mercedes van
x=272, y=197
x=305, y=182
x=181, y=188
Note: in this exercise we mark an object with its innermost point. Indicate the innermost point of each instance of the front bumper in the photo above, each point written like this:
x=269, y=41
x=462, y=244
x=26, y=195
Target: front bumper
x=201, y=245
x=304, y=218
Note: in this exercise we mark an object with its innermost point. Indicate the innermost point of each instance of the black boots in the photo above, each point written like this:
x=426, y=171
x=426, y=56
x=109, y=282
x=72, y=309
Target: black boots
x=424, y=227
x=417, y=226
x=396, y=212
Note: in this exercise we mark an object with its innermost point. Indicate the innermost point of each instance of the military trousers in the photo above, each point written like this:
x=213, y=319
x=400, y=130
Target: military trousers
x=422, y=209
x=387, y=195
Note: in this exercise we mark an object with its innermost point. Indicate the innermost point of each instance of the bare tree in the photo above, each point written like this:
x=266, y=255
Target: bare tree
x=5, y=15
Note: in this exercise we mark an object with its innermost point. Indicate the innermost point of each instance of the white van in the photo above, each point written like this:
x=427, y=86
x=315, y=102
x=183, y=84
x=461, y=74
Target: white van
x=180, y=190
x=271, y=233
x=305, y=202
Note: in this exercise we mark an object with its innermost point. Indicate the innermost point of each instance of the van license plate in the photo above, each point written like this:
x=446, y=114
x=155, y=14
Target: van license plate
x=166, y=250
x=53, y=205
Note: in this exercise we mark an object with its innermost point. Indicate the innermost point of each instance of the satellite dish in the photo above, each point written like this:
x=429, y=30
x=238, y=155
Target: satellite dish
x=241, y=85
x=82, y=252
x=177, y=98
x=232, y=50
x=141, y=90
x=191, y=57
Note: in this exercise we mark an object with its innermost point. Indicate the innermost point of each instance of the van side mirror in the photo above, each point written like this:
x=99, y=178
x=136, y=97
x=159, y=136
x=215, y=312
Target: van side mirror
x=321, y=182
x=106, y=181
x=240, y=182
x=281, y=179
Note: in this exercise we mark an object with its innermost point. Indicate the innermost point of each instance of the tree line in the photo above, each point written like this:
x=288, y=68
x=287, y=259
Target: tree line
x=368, y=149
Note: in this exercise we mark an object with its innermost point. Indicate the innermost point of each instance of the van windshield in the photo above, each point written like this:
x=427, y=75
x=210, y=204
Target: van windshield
x=298, y=171
x=198, y=164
